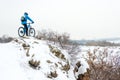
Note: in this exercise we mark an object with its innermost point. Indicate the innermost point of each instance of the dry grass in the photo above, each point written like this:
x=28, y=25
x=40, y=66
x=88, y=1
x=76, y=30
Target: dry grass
x=103, y=66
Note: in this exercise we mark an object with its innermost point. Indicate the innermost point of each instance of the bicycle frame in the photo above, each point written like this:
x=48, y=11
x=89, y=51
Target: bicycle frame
x=28, y=25
x=22, y=30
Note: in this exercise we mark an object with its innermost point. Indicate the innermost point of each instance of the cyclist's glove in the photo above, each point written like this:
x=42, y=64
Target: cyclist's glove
x=32, y=22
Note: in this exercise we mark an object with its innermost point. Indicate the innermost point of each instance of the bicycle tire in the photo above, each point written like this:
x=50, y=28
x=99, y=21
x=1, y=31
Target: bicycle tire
x=21, y=31
x=32, y=32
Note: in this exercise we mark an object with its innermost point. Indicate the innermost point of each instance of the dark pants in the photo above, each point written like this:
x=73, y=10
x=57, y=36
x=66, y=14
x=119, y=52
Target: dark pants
x=26, y=29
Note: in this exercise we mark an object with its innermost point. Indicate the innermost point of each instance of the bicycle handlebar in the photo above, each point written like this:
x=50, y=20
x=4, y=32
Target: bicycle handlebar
x=29, y=23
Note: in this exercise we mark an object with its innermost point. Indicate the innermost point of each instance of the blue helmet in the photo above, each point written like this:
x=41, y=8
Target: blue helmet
x=25, y=13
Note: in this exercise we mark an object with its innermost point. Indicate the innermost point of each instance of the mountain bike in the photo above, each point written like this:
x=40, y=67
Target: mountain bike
x=22, y=31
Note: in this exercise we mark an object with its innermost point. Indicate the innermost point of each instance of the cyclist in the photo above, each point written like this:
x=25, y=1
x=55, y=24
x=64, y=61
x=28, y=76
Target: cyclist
x=24, y=21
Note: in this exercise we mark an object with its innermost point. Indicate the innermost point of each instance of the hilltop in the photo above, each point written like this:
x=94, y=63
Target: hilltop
x=33, y=59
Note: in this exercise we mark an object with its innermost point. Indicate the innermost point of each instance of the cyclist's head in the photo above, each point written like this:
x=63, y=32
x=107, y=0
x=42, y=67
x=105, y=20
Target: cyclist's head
x=25, y=13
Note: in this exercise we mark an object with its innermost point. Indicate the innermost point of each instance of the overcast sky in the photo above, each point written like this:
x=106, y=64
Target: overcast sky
x=82, y=19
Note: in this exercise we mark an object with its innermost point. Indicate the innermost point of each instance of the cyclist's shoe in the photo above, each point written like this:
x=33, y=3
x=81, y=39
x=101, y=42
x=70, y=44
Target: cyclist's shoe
x=25, y=37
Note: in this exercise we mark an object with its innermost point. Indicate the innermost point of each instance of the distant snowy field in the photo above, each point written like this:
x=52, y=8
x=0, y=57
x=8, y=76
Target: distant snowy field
x=117, y=41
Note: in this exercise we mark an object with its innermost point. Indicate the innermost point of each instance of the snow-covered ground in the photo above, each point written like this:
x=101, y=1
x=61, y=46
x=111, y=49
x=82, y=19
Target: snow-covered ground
x=15, y=57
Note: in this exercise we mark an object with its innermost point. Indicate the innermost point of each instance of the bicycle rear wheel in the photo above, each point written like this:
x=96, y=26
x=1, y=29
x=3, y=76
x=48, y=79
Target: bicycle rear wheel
x=32, y=32
x=21, y=31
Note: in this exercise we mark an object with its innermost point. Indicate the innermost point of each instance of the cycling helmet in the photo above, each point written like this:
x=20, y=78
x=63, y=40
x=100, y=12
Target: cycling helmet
x=26, y=13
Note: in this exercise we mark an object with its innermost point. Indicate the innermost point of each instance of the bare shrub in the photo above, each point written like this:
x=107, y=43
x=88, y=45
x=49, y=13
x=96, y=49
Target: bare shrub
x=5, y=39
x=52, y=74
x=41, y=34
x=48, y=35
x=77, y=66
x=34, y=63
x=66, y=67
x=73, y=48
x=102, y=66
x=64, y=39
x=57, y=52
x=54, y=37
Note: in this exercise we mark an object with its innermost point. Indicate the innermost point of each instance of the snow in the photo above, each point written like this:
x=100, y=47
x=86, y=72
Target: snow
x=116, y=41
x=14, y=62
x=9, y=66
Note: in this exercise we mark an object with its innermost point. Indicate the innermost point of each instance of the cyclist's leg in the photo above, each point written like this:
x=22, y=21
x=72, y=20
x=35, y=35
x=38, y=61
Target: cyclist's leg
x=26, y=29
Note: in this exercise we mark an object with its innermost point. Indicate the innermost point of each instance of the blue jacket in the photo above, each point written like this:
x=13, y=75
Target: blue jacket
x=27, y=18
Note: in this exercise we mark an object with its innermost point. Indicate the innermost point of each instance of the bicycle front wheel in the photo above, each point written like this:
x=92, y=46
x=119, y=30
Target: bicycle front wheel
x=32, y=32
x=21, y=31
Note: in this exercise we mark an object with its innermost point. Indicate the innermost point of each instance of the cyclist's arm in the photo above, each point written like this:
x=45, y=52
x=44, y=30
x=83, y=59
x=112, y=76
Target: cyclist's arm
x=30, y=19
